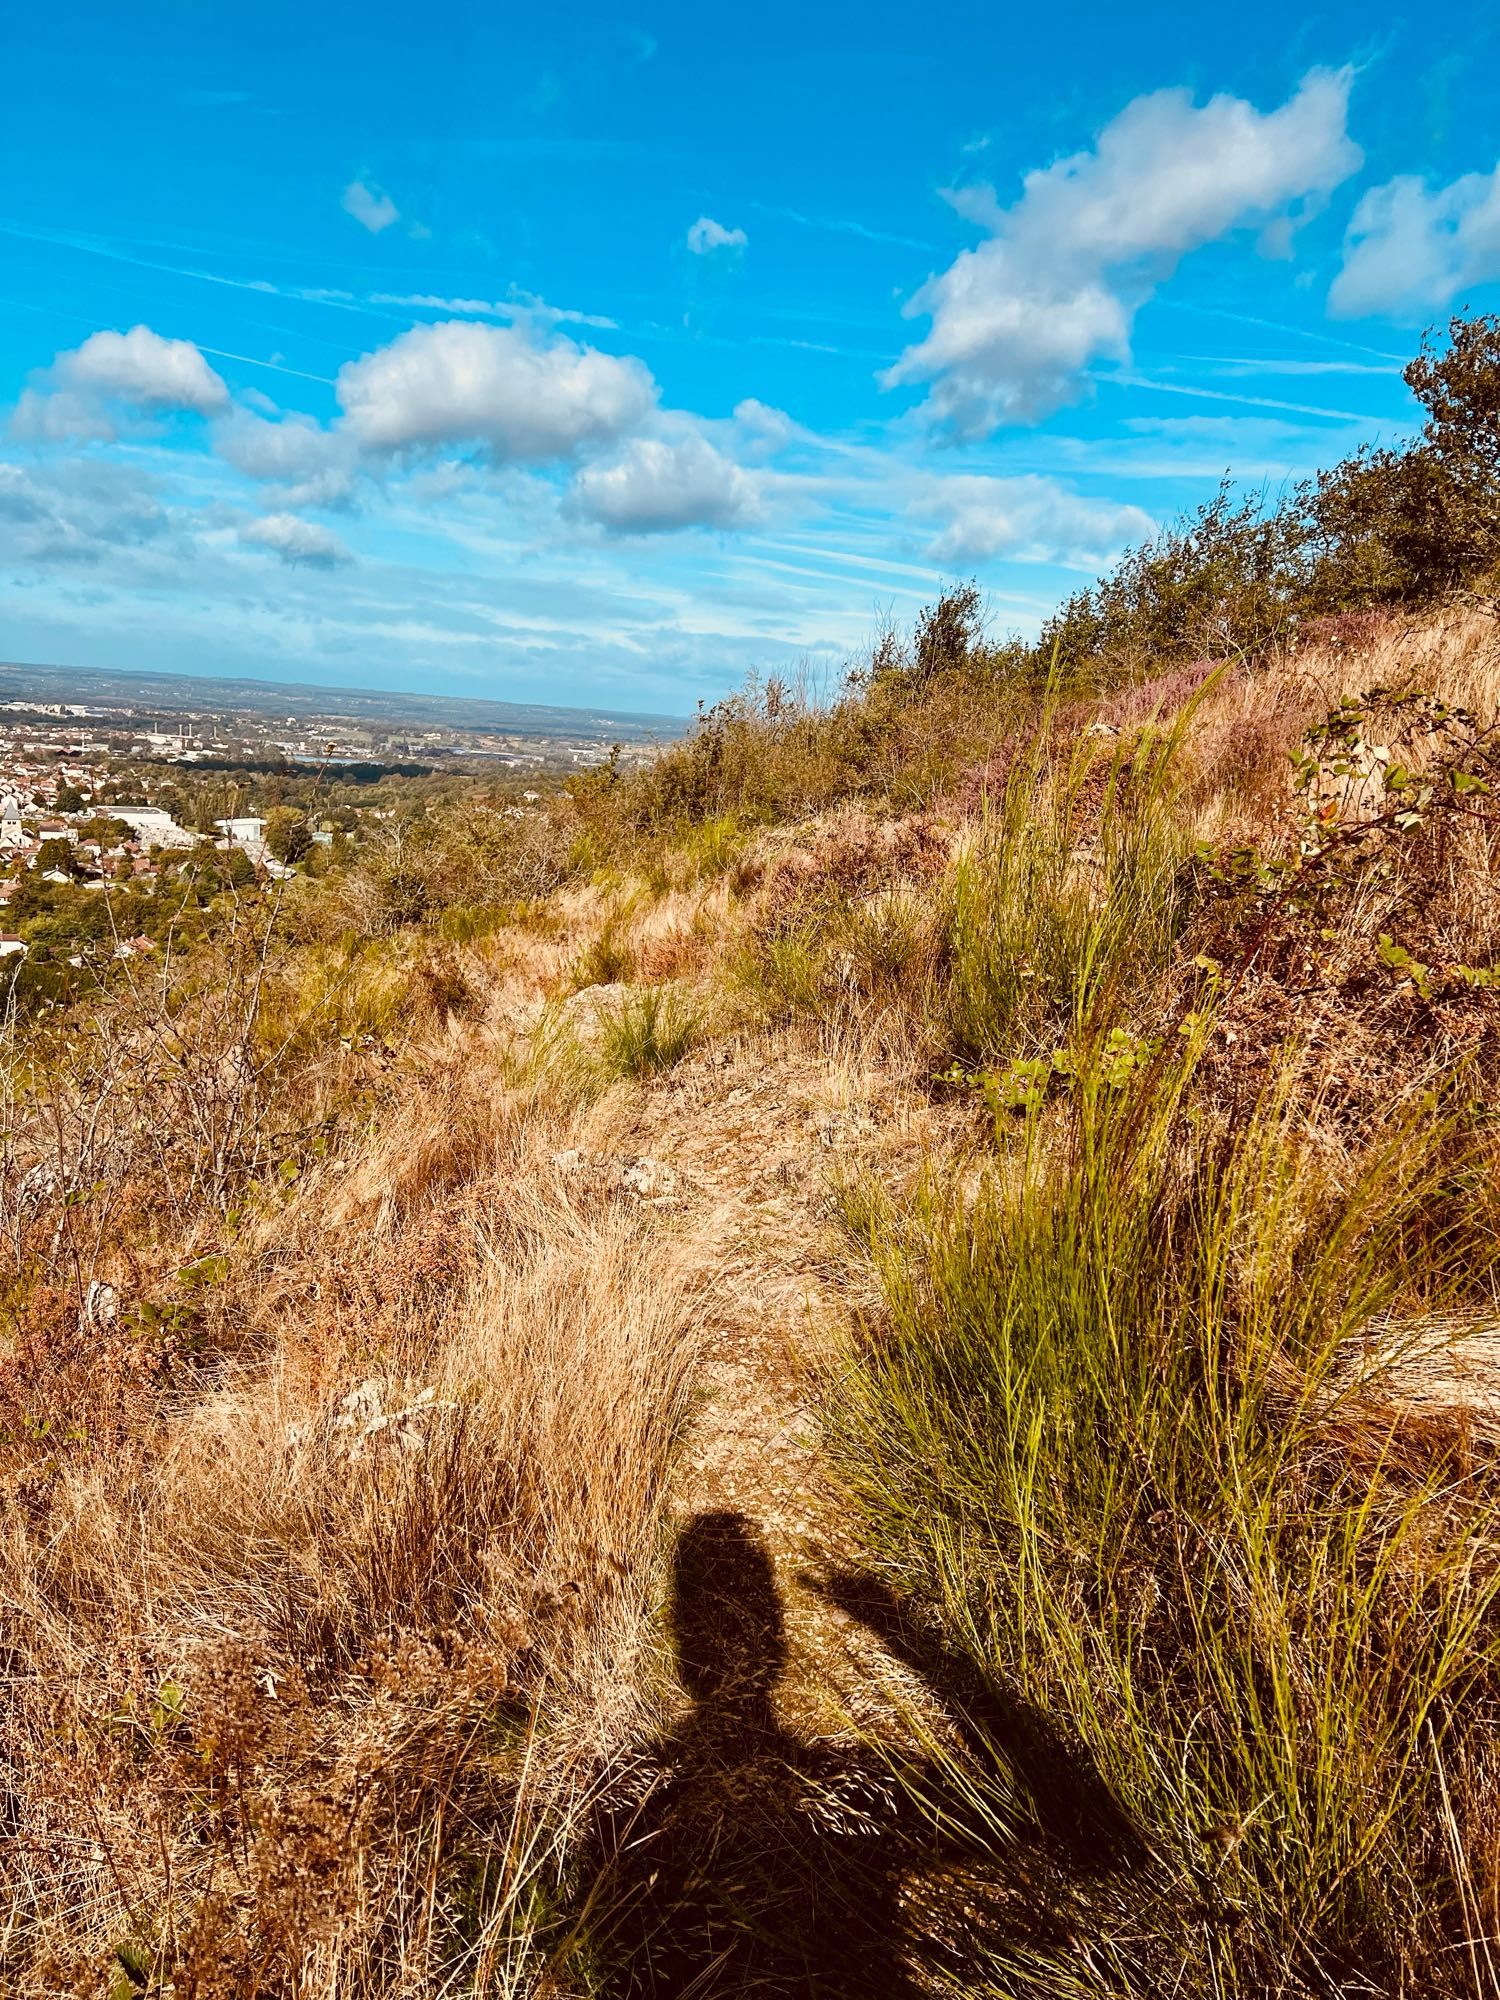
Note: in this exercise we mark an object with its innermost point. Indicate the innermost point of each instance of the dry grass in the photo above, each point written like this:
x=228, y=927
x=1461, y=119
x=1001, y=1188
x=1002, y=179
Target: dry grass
x=332, y=1552
x=282, y=1623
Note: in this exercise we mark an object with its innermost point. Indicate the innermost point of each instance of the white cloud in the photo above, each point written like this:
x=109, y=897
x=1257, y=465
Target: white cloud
x=526, y=400
x=143, y=368
x=85, y=389
x=281, y=450
x=1024, y=518
x=75, y=511
x=1016, y=321
x=306, y=465
x=49, y=416
x=333, y=486
x=296, y=540
x=371, y=207
x=764, y=430
x=1410, y=249
x=706, y=235
x=660, y=484
x=521, y=306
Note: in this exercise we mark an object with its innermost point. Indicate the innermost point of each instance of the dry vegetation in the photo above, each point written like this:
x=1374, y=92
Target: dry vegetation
x=860, y=1363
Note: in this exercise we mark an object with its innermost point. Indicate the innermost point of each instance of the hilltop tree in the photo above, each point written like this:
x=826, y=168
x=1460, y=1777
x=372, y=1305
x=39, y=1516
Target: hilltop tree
x=1460, y=389
x=288, y=834
x=1411, y=525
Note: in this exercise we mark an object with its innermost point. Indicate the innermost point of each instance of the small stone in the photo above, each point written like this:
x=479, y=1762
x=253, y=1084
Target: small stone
x=648, y=1180
x=847, y=1128
x=101, y=1304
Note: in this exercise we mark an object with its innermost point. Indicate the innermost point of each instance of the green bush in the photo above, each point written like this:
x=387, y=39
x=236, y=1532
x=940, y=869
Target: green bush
x=607, y=960
x=1229, y=577
x=1066, y=909
x=1400, y=526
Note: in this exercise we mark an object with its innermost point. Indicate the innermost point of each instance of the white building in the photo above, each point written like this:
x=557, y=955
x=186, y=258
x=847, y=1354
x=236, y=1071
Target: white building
x=242, y=832
x=152, y=824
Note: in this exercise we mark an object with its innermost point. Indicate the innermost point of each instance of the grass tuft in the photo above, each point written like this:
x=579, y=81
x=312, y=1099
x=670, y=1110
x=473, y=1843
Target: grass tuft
x=1125, y=1434
x=647, y=1032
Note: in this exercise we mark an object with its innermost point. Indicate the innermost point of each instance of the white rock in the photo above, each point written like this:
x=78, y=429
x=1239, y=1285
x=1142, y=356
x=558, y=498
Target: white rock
x=648, y=1179
x=101, y=1304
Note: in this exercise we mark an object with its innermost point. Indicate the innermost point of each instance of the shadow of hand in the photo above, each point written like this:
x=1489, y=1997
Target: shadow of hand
x=1038, y=1777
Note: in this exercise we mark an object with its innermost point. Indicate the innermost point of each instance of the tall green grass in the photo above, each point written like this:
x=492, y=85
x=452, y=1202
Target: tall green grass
x=839, y=955
x=647, y=1032
x=1065, y=909
x=1118, y=1434
x=1060, y=913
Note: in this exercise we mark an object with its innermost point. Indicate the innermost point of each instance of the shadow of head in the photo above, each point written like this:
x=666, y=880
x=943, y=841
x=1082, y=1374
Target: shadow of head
x=726, y=1618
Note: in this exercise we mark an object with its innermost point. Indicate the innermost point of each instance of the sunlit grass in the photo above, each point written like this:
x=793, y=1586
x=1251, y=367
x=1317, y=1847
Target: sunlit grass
x=1115, y=1436
x=647, y=1032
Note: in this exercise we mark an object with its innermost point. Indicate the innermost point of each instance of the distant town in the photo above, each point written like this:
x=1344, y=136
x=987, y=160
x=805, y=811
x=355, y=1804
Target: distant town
x=167, y=802
x=43, y=732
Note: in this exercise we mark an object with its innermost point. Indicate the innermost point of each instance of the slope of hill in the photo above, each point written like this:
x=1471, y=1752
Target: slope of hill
x=861, y=1361
x=595, y=1381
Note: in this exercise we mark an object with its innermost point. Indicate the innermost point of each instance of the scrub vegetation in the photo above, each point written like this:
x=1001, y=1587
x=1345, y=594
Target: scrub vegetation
x=862, y=1360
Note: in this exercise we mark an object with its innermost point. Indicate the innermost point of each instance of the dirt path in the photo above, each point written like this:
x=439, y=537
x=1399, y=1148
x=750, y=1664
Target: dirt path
x=769, y=1839
x=752, y=1149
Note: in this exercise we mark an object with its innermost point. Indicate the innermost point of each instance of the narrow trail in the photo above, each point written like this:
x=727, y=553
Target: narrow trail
x=773, y=1841
x=745, y=1148
x=735, y=1155
x=754, y=1148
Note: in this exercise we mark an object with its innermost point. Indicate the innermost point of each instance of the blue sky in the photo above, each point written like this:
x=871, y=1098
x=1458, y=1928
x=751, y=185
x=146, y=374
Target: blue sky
x=606, y=356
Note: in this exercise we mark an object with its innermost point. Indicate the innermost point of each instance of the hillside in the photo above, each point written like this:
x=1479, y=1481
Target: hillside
x=861, y=1361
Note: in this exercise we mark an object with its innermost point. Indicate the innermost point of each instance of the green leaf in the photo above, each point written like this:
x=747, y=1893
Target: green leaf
x=168, y=1707
x=1021, y=1087
x=1399, y=959
x=204, y=1271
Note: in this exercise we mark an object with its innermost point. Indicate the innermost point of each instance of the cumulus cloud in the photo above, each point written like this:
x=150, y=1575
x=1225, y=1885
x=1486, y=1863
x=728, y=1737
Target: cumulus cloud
x=143, y=368
x=1027, y=518
x=1055, y=287
x=296, y=540
x=526, y=400
x=52, y=416
x=84, y=392
x=764, y=430
x=706, y=235
x=371, y=207
x=658, y=484
x=305, y=465
x=75, y=512
x=1411, y=249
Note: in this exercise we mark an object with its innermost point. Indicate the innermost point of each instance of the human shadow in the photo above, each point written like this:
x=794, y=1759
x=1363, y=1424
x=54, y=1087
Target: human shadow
x=746, y=1862
x=1058, y=1794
